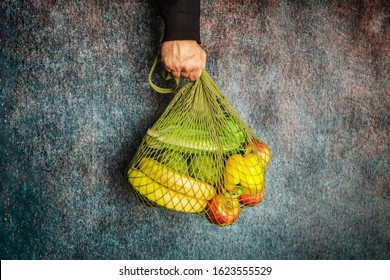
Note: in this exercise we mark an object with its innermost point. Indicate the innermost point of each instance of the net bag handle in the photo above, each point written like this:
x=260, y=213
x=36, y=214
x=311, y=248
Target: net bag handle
x=166, y=75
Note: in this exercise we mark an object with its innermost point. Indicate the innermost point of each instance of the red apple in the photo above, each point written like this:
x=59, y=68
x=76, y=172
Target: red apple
x=222, y=210
x=261, y=149
x=251, y=199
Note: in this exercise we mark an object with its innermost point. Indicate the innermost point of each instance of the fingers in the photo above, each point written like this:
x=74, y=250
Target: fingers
x=176, y=74
x=191, y=71
x=185, y=71
x=194, y=74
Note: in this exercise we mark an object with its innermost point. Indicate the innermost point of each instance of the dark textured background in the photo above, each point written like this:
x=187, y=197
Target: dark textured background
x=311, y=78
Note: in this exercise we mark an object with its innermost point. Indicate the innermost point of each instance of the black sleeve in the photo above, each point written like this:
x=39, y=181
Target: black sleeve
x=181, y=18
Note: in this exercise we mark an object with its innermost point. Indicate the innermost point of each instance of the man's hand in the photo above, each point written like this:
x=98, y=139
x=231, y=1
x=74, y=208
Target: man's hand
x=183, y=58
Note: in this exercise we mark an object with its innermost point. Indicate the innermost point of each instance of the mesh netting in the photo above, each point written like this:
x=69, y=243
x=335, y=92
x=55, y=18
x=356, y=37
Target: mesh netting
x=200, y=157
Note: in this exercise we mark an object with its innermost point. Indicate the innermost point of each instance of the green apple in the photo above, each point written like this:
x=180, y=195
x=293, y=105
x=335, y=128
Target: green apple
x=174, y=160
x=205, y=168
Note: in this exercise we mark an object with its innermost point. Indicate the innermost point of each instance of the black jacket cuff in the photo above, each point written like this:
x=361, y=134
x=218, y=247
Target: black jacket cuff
x=181, y=18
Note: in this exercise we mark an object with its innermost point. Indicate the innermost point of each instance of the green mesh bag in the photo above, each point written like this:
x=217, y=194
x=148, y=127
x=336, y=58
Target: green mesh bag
x=200, y=157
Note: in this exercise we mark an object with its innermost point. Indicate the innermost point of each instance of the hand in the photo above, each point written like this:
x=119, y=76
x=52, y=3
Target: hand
x=184, y=58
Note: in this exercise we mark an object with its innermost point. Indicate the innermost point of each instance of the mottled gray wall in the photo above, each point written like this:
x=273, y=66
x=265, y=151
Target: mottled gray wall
x=311, y=78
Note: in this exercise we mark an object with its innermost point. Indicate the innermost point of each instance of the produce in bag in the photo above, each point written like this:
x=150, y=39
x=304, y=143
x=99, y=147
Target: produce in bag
x=199, y=156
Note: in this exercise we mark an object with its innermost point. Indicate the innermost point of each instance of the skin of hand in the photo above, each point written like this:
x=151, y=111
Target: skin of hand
x=184, y=58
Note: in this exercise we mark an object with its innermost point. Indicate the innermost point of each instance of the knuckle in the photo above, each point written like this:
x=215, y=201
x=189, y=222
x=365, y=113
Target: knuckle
x=192, y=77
x=186, y=68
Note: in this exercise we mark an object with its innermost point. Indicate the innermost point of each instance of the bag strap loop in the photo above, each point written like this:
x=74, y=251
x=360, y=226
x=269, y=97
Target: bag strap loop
x=167, y=76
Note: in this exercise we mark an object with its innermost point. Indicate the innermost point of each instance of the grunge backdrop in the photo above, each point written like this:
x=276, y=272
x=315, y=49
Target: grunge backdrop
x=311, y=78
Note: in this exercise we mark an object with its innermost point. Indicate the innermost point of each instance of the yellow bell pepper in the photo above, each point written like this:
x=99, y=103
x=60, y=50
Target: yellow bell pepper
x=253, y=175
x=232, y=176
x=244, y=174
